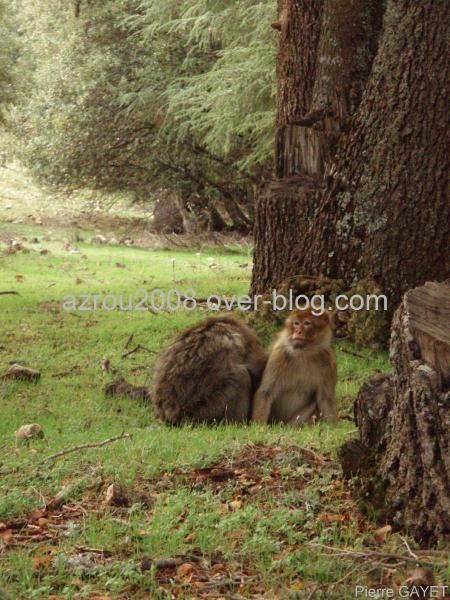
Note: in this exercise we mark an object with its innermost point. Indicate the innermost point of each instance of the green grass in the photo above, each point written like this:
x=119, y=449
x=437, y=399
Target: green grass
x=270, y=533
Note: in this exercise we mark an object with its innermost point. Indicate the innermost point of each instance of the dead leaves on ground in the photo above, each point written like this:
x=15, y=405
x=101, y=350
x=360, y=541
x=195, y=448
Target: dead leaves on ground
x=41, y=525
x=204, y=576
x=254, y=475
x=257, y=468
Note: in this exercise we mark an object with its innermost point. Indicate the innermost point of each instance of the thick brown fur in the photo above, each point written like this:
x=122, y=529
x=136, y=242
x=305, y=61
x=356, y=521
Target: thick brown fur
x=298, y=385
x=209, y=373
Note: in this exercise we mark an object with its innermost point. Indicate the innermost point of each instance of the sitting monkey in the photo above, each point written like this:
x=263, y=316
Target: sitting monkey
x=209, y=373
x=298, y=385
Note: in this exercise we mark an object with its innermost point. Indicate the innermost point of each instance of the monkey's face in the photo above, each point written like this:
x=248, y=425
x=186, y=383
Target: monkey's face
x=304, y=328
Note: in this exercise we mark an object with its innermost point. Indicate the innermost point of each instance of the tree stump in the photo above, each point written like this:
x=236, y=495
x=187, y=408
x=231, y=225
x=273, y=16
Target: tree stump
x=401, y=461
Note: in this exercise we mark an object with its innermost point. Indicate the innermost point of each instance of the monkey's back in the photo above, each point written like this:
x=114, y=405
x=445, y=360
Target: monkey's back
x=206, y=373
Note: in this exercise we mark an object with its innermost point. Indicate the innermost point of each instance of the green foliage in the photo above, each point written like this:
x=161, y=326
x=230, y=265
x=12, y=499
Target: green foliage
x=134, y=95
x=70, y=123
x=218, y=78
x=7, y=53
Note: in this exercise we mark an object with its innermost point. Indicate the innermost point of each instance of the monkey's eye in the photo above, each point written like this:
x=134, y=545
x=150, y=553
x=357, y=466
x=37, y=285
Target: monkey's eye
x=307, y=323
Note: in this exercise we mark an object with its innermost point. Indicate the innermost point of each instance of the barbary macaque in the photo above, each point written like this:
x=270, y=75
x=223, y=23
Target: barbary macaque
x=209, y=373
x=298, y=384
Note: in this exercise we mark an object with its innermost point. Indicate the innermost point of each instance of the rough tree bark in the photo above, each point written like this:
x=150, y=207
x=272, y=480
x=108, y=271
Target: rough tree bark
x=401, y=460
x=361, y=187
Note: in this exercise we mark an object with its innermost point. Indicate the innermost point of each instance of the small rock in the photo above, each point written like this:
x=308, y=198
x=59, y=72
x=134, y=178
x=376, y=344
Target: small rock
x=44, y=251
x=58, y=500
x=99, y=239
x=17, y=371
x=80, y=561
x=116, y=495
x=420, y=577
x=28, y=431
x=120, y=387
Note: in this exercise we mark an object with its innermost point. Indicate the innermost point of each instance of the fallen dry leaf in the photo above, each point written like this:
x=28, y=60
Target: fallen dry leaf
x=6, y=535
x=185, y=571
x=235, y=505
x=41, y=563
x=381, y=533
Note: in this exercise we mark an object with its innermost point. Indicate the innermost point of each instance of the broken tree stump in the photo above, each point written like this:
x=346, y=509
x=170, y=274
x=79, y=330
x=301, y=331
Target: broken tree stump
x=401, y=461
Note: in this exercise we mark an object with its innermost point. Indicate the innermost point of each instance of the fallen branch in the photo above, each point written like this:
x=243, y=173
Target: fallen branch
x=381, y=555
x=10, y=292
x=122, y=436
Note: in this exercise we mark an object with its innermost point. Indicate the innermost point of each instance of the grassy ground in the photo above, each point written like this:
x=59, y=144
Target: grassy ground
x=253, y=526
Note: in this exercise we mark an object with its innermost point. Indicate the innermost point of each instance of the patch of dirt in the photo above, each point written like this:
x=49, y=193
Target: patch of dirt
x=257, y=467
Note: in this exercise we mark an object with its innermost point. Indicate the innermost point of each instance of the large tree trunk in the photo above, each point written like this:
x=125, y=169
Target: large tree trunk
x=402, y=457
x=366, y=143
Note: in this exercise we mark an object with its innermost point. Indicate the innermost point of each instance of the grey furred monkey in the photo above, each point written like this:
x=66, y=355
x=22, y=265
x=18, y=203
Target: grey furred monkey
x=209, y=373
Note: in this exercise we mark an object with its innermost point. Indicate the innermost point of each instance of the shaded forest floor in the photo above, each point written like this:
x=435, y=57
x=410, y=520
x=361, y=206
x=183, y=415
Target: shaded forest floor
x=209, y=512
x=112, y=217
x=24, y=202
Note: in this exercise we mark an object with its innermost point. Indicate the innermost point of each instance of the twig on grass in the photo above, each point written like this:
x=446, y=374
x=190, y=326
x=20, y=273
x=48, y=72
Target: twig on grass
x=88, y=550
x=10, y=292
x=329, y=586
x=138, y=347
x=122, y=436
x=410, y=552
x=129, y=340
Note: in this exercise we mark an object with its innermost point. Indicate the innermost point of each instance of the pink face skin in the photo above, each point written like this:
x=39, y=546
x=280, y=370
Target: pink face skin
x=302, y=331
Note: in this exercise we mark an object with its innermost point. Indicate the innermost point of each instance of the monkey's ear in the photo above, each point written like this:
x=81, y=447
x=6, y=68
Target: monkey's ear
x=331, y=314
x=326, y=318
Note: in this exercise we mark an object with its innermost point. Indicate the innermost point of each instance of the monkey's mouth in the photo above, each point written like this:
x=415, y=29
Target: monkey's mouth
x=298, y=342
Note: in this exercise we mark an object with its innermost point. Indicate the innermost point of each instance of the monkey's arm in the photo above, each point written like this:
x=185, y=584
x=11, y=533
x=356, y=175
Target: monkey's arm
x=326, y=401
x=262, y=403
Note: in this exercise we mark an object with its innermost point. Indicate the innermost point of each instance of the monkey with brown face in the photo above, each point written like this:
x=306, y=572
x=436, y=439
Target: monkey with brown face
x=209, y=373
x=298, y=385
